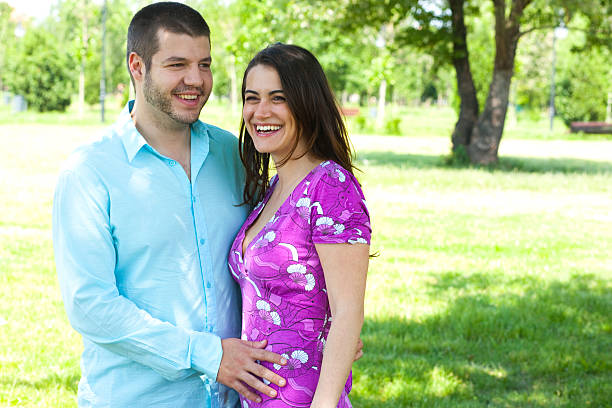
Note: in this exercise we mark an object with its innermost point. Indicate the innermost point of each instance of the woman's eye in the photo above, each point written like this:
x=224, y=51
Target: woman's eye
x=279, y=99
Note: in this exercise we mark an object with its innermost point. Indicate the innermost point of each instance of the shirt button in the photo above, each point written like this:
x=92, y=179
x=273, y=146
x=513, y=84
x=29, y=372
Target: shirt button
x=172, y=162
x=194, y=199
x=208, y=285
x=202, y=241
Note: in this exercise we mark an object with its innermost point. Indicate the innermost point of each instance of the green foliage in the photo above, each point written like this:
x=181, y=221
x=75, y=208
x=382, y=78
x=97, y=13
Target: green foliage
x=7, y=37
x=458, y=157
x=531, y=83
x=392, y=126
x=77, y=25
x=583, y=82
x=41, y=71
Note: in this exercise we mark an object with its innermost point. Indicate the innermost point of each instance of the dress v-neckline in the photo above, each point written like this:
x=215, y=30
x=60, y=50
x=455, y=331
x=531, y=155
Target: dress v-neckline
x=244, y=248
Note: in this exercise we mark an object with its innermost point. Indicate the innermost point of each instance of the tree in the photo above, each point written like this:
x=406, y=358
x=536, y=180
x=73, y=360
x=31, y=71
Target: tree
x=584, y=80
x=41, y=71
x=440, y=28
x=7, y=36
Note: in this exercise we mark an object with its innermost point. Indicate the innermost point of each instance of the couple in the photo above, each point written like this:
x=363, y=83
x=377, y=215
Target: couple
x=147, y=219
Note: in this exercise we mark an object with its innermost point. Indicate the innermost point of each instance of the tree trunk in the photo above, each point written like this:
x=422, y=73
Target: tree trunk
x=468, y=108
x=382, y=96
x=487, y=133
x=233, y=84
x=84, y=47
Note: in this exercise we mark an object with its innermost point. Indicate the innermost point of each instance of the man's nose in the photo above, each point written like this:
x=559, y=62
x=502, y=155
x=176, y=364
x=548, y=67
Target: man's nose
x=194, y=76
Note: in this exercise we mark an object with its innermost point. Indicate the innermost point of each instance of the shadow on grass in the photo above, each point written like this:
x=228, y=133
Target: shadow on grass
x=548, y=346
x=506, y=163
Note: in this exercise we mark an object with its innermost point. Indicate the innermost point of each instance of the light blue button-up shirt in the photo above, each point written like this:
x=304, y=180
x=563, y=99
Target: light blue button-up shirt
x=141, y=255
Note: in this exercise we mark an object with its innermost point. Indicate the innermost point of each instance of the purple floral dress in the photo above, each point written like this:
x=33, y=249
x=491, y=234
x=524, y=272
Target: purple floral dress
x=284, y=298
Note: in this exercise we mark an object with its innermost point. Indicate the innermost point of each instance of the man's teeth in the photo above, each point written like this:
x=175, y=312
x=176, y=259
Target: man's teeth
x=189, y=97
x=267, y=128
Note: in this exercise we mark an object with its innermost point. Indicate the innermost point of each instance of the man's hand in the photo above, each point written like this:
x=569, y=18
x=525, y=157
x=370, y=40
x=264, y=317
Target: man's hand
x=239, y=367
x=359, y=352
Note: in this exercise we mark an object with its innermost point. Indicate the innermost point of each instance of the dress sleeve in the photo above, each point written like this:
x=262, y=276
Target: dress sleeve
x=338, y=212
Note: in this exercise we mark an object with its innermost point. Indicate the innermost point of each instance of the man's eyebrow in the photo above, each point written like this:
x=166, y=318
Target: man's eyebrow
x=182, y=59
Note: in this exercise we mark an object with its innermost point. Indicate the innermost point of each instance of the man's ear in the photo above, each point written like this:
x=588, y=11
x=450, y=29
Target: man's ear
x=137, y=66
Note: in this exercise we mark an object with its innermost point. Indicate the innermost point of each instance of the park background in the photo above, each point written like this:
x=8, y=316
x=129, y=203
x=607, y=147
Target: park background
x=492, y=287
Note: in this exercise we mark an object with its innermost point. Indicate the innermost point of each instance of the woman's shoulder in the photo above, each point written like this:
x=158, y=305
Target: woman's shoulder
x=331, y=175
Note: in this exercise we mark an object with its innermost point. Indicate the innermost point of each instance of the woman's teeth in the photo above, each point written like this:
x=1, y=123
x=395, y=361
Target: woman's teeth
x=267, y=128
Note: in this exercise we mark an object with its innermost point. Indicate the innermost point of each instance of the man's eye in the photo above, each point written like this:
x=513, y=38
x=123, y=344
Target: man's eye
x=177, y=65
x=205, y=66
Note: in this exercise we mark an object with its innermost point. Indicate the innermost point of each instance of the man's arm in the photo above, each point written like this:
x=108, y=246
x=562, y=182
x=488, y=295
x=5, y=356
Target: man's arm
x=85, y=259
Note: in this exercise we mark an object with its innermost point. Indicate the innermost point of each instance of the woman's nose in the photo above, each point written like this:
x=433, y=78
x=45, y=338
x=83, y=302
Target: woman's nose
x=262, y=110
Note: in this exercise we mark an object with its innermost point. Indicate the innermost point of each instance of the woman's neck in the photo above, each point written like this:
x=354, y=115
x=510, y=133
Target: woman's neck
x=294, y=170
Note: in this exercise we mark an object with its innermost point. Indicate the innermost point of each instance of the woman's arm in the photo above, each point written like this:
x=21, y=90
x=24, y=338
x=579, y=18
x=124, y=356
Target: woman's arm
x=345, y=268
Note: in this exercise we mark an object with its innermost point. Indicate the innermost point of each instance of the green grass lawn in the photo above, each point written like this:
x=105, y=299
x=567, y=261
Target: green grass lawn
x=492, y=288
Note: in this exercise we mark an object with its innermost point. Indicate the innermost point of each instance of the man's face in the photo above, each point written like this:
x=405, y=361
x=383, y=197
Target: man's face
x=179, y=81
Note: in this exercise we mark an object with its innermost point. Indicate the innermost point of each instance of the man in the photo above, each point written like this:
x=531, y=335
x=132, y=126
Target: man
x=142, y=223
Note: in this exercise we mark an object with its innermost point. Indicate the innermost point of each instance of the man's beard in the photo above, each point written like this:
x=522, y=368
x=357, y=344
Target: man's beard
x=156, y=98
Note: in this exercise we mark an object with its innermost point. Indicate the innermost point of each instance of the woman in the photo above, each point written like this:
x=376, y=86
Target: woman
x=302, y=255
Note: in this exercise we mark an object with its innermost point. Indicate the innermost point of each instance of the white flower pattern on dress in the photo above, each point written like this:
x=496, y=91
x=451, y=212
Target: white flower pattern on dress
x=357, y=241
x=265, y=313
x=265, y=240
x=339, y=229
x=296, y=268
x=298, y=357
x=297, y=273
x=278, y=366
x=340, y=175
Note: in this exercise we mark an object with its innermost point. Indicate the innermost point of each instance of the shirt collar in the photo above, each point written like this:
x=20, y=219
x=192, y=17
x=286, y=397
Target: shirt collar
x=133, y=141
x=130, y=137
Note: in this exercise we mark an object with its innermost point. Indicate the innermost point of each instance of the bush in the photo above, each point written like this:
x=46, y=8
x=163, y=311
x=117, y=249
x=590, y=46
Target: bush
x=40, y=72
x=392, y=126
x=582, y=88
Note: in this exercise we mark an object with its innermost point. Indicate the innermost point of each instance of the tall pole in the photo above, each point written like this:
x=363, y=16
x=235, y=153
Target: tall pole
x=551, y=110
x=103, y=76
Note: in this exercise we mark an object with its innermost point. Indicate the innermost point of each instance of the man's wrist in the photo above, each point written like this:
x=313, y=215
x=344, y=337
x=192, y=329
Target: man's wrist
x=205, y=352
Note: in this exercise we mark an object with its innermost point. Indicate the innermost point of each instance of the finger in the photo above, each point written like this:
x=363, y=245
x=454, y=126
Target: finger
x=359, y=344
x=245, y=392
x=263, y=372
x=258, y=385
x=358, y=355
x=260, y=344
x=264, y=355
x=256, y=344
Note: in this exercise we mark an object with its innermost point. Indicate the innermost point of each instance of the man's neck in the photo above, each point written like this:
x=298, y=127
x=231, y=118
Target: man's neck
x=159, y=130
x=167, y=136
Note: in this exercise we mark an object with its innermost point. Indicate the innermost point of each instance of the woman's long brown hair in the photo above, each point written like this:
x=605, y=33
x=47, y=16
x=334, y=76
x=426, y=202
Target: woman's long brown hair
x=320, y=125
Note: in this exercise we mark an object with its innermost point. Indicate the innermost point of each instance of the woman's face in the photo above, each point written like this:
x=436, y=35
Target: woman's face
x=266, y=113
